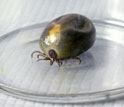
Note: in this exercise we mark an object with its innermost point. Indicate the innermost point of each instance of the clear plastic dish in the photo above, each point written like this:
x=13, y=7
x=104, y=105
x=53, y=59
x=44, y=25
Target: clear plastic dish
x=98, y=77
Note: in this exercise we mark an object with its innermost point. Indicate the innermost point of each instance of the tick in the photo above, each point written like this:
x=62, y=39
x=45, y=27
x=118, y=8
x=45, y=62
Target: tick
x=66, y=37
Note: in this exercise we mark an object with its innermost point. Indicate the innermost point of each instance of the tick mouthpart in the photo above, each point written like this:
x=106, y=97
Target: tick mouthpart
x=52, y=54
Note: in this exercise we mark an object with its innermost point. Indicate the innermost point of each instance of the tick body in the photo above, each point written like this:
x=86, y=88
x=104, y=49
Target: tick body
x=66, y=37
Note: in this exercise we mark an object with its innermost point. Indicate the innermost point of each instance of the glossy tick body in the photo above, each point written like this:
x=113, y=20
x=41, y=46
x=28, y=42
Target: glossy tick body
x=66, y=37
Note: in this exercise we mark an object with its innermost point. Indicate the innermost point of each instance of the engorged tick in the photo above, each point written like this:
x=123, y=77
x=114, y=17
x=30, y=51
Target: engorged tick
x=66, y=37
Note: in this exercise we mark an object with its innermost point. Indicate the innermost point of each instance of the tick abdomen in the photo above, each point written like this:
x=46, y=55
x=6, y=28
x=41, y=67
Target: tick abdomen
x=69, y=36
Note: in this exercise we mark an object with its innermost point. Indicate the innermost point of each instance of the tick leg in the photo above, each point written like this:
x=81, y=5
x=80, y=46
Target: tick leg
x=51, y=62
x=77, y=59
x=41, y=54
x=59, y=62
x=46, y=58
x=34, y=53
x=43, y=59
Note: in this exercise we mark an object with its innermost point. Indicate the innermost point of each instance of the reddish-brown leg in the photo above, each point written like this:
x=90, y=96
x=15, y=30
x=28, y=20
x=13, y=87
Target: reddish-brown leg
x=44, y=55
x=51, y=62
x=43, y=59
x=36, y=52
x=46, y=58
x=77, y=59
x=59, y=62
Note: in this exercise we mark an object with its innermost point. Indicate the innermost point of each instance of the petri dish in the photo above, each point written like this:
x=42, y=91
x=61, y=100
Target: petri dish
x=98, y=77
